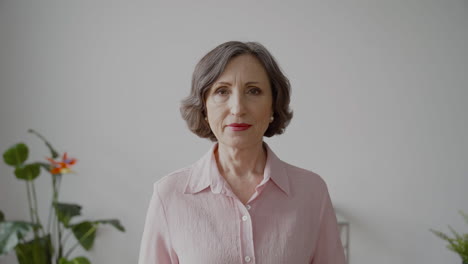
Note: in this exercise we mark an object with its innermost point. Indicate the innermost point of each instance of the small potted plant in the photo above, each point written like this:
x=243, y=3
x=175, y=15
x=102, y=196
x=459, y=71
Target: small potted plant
x=459, y=243
x=33, y=242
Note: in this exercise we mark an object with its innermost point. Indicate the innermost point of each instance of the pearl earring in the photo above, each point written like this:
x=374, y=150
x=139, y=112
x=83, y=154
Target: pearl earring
x=271, y=119
x=206, y=118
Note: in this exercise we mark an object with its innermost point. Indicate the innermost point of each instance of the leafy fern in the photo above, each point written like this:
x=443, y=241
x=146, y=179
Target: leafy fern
x=459, y=243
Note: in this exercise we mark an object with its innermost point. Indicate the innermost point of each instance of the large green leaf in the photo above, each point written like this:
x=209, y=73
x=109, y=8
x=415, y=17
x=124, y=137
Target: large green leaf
x=16, y=155
x=36, y=251
x=65, y=212
x=53, y=152
x=78, y=260
x=85, y=233
x=114, y=222
x=28, y=172
x=10, y=233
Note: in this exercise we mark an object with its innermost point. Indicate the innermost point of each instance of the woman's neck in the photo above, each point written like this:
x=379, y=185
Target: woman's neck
x=244, y=164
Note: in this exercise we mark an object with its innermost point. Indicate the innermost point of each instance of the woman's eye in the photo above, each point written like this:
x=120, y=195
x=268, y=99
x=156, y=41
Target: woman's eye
x=221, y=91
x=255, y=91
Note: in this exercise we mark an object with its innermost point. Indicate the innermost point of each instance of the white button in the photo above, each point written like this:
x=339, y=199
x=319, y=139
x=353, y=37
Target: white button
x=248, y=207
x=244, y=218
x=247, y=259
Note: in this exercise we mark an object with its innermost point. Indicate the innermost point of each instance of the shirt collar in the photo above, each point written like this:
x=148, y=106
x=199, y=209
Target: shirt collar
x=205, y=173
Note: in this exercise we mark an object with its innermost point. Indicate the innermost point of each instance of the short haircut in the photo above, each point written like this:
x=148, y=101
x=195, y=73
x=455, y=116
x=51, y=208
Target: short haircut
x=212, y=65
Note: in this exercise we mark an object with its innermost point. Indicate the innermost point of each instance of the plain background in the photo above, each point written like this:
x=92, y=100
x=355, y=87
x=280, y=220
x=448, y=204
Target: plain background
x=379, y=93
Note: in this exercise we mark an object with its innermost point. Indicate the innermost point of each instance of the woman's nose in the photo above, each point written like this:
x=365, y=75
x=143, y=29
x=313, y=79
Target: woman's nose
x=237, y=104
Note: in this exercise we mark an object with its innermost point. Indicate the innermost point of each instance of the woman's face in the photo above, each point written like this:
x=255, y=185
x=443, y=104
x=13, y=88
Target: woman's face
x=239, y=103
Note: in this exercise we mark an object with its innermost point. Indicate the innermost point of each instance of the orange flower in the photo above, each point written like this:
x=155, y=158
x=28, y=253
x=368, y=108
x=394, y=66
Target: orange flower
x=63, y=166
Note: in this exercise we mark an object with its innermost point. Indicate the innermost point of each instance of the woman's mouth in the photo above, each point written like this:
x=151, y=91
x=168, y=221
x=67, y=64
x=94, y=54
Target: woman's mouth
x=239, y=126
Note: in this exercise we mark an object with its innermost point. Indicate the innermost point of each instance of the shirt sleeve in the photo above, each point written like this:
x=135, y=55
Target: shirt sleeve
x=329, y=249
x=156, y=247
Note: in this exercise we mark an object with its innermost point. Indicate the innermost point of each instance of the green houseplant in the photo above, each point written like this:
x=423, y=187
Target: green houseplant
x=33, y=242
x=459, y=243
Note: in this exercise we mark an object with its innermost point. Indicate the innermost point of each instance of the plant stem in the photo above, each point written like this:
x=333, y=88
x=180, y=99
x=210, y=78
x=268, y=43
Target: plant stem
x=52, y=204
x=53, y=237
x=59, y=230
x=36, y=210
x=54, y=218
x=50, y=218
x=60, y=253
x=59, y=181
x=52, y=150
x=31, y=212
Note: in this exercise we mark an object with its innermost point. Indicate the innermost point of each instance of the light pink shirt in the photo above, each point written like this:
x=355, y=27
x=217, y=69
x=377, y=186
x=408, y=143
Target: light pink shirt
x=195, y=218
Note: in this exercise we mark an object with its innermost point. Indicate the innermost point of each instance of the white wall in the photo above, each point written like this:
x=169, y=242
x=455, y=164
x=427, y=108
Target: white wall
x=379, y=96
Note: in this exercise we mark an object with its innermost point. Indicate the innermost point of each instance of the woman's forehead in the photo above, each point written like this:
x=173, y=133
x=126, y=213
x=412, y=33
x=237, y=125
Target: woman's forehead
x=245, y=67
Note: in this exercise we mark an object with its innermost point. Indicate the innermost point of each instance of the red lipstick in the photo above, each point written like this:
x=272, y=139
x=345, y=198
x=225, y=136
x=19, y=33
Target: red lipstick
x=239, y=126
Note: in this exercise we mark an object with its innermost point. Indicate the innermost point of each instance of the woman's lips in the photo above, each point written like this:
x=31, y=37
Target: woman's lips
x=239, y=127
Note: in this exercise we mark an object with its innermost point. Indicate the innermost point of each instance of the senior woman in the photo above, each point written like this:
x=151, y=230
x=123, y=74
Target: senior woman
x=240, y=203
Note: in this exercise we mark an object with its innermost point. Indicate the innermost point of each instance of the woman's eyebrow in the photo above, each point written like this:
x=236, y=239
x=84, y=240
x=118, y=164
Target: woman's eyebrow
x=228, y=83
x=225, y=83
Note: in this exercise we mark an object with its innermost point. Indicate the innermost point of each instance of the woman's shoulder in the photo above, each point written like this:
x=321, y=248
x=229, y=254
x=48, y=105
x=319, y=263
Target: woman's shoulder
x=303, y=176
x=174, y=181
x=174, y=177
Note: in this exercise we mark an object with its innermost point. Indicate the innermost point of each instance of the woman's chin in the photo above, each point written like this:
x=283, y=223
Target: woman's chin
x=240, y=142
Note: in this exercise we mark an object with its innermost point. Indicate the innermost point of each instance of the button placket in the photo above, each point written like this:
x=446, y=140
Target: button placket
x=247, y=250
